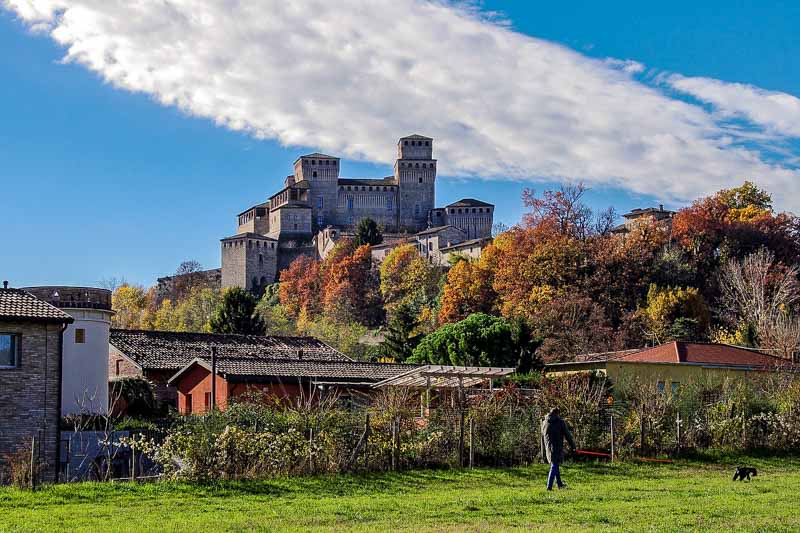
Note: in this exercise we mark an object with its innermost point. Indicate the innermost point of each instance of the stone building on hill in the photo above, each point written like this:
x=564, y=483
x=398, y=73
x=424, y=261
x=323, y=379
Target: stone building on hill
x=316, y=207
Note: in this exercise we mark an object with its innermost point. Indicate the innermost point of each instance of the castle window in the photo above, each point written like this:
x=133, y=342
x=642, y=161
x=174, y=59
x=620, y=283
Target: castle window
x=314, y=174
x=313, y=161
x=417, y=165
x=370, y=189
x=327, y=162
x=389, y=203
x=420, y=180
x=349, y=202
x=405, y=143
x=427, y=143
x=260, y=259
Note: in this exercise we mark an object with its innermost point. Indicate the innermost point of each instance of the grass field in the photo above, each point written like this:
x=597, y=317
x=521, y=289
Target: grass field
x=601, y=496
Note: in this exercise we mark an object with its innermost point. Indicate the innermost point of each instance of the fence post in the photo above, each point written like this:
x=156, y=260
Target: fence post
x=33, y=463
x=471, y=441
x=612, y=437
x=311, y=449
x=678, y=430
x=133, y=463
x=367, y=429
x=461, y=438
x=396, y=447
x=641, y=434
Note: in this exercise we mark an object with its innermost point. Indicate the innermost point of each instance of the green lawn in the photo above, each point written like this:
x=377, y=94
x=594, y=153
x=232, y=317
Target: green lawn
x=601, y=496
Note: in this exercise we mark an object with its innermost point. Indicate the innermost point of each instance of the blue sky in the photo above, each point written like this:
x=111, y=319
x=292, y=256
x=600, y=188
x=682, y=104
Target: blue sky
x=99, y=181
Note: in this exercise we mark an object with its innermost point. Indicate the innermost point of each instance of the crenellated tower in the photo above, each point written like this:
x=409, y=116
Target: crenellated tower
x=415, y=173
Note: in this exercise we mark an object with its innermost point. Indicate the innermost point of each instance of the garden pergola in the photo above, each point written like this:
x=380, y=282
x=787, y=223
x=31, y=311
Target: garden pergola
x=445, y=377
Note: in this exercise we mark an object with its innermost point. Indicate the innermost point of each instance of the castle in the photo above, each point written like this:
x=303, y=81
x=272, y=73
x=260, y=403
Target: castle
x=316, y=207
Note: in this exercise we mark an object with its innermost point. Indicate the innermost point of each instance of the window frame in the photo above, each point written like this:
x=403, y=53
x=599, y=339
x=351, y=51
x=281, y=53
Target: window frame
x=17, y=345
x=80, y=336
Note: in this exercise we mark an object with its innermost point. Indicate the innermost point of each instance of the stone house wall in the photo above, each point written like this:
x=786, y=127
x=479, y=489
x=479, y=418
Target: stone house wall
x=31, y=392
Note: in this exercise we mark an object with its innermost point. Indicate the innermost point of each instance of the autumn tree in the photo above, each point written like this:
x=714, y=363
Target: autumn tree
x=676, y=313
x=301, y=287
x=407, y=279
x=350, y=288
x=368, y=232
x=468, y=290
x=131, y=303
x=236, y=314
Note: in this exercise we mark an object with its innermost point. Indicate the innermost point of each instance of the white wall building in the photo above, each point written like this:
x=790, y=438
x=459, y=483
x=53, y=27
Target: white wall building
x=84, y=381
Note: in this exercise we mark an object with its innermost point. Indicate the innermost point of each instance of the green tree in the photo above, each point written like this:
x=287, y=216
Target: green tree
x=401, y=338
x=368, y=232
x=237, y=314
x=478, y=340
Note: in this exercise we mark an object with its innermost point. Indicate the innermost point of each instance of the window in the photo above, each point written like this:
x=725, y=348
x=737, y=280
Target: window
x=314, y=174
x=207, y=399
x=420, y=180
x=320, y=202
x=430, y=246
x=427, y=143
x=260, y=259
x=389, y=203
x=117, y=367
x=416, y=209
x=9, y=350
x=188, y=404
x=80, y=336
x=675, y=385
x=349, y=202
x=405, y=143
x=319, y=219
x=660, y=387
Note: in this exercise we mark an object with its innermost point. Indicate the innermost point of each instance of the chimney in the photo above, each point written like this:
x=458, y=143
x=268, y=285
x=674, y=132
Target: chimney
x=5, y=284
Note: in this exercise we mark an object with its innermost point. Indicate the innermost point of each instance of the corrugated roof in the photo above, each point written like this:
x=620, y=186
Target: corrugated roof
x=163, y=350
x=699, y=353
x=16, y=304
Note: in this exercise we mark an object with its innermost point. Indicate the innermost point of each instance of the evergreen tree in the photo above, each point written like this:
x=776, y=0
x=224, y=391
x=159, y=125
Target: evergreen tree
x=237, y=314
x=368, y=232
x=400, y=339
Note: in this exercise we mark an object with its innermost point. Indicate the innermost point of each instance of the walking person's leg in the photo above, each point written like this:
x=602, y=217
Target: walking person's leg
x=552, y=475
x=558, y=475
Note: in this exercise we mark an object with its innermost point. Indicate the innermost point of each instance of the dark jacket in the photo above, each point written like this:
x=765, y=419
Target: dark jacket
x=554, y=431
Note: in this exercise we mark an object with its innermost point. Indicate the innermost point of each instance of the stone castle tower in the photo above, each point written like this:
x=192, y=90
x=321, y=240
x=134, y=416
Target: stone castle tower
x=415, y=174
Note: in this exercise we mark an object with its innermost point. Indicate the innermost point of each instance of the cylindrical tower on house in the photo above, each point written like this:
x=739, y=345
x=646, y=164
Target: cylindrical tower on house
x=84, y=382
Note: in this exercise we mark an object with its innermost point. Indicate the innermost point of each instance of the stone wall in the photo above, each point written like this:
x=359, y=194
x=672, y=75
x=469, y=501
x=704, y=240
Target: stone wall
x=171, y=286
x=249, y=262
x=30, y=393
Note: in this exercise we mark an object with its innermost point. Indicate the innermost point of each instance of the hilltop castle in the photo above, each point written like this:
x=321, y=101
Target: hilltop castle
x=316, y=207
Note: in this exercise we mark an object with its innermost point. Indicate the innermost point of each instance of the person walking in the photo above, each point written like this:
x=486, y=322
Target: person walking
x=554, y=431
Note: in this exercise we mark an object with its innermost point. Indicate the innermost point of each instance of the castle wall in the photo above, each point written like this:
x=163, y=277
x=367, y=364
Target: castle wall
x=249, y=262
x=290, y=220
x=475, y=221
x=378, y=202
x=254, y=221
x=417, y=192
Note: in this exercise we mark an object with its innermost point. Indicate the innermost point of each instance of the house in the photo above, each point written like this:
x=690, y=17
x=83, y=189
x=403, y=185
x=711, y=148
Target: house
x=673, y=363
x=638, y=216
x=31, y=340
x=471, y=249
x=299, y=378
x=84, y=381
x=158, y=355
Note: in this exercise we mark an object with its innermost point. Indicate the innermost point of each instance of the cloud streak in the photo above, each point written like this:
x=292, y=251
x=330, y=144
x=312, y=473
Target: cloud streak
x=351, y=76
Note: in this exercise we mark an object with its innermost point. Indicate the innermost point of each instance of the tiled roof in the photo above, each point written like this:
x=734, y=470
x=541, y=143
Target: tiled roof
x=467, y=244
x=633, y=213
x=243, y=367
x=249, y=235
x=265, y=204
x=16, y=304
x=437, y=229
x=710, y=354
x=170, y=351
x=469, y=202
x=381, y=182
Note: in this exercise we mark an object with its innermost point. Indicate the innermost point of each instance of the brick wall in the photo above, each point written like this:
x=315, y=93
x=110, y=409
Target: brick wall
x=29, y=394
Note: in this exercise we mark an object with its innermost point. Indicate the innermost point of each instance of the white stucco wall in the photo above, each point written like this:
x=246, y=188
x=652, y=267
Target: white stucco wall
x=85, y=366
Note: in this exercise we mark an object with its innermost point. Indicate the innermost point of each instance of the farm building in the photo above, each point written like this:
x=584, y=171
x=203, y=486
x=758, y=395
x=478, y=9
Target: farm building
x=158, y=355
x=673, y=363
x=31, y=341
x=301, y=377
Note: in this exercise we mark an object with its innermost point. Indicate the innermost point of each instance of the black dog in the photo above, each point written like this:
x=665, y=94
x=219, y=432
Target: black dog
x=744, y=472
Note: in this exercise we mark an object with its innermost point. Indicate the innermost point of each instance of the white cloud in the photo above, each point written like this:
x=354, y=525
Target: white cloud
x=778, y=112
x=352, y=76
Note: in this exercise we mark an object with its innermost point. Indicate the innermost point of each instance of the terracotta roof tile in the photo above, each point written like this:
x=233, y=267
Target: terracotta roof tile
x=699, y=353
x=346, y=370
x=16, y=304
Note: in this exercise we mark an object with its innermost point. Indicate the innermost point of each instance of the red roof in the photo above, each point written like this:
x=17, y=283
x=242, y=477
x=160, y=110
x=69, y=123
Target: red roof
x=709, y=354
